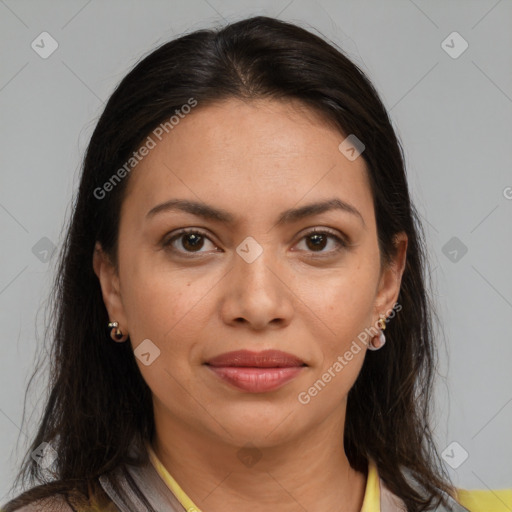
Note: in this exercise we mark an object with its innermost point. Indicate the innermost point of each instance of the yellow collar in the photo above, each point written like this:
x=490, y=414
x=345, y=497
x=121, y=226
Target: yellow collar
x=371, y=502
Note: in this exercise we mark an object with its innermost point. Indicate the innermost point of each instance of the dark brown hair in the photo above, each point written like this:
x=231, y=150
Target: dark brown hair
x=98, y=402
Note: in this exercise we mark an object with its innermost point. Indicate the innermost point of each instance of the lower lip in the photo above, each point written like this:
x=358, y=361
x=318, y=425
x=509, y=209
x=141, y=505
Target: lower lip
x=256, y=380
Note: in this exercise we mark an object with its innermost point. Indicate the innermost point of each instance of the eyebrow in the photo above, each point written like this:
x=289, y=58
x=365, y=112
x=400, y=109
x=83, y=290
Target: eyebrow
x=209, y=212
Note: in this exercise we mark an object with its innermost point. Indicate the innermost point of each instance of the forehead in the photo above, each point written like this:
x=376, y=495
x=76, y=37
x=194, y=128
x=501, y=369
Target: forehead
x=249, y=154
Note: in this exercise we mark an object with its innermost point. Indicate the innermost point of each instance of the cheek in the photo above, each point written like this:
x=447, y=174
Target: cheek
x=165, y=307
x=344, y=299
x=158, y=300
x=344, y=303
x=345, y=308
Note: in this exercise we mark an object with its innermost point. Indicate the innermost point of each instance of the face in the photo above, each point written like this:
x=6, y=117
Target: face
x=248, y=277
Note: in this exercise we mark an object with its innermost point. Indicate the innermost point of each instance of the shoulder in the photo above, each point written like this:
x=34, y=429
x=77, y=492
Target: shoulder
x=54, y=503
x=58, y=502
x=485, y=500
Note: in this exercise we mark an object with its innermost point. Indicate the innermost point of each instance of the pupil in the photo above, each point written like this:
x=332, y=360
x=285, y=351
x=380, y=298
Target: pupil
x=193, y=240
x=318, y=238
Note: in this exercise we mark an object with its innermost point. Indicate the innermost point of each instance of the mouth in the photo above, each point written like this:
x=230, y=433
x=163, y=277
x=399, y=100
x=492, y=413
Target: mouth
x=256, y=372
x=263, y=359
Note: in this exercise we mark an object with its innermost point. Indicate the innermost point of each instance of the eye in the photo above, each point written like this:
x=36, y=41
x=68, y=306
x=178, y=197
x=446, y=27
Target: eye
x=317, y=239
x=192, y=241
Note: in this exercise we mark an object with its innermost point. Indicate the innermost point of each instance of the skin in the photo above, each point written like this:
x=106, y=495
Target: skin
x=254, y=159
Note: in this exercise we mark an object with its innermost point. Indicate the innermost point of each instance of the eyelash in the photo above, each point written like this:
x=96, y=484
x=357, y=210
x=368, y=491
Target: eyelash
x=342, y=244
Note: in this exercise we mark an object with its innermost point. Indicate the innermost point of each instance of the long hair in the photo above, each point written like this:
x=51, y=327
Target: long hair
x=98, y=403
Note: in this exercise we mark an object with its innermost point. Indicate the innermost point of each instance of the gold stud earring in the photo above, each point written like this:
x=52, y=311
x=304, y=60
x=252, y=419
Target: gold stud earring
x=382, y=322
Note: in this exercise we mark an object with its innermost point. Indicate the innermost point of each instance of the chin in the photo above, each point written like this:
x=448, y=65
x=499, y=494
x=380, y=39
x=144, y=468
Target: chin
x=264, y=427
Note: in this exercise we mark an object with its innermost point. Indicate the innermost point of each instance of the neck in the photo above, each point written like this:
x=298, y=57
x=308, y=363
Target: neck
x=310, y=472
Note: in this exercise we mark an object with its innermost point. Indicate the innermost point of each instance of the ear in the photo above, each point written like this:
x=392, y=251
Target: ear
x=391, y=278
x=110, y=289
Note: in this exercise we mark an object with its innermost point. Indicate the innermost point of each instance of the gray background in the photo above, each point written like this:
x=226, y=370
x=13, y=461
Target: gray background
x=453, y=116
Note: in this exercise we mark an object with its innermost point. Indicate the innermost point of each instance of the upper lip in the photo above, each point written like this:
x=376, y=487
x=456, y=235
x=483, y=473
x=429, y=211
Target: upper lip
x=263, y=359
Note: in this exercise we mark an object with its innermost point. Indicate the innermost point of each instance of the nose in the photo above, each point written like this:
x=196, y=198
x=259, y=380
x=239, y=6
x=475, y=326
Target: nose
x=257, y=294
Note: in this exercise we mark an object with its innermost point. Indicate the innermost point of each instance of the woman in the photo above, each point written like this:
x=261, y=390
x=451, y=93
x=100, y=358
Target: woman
x=242, y=237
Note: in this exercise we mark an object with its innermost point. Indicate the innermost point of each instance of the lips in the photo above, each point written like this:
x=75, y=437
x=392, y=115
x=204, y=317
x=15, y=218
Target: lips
x=256, y=372
x=263, y=359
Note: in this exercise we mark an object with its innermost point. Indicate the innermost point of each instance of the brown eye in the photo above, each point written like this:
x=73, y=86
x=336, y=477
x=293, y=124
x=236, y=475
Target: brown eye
x=192, y=241
x=317, y=241
x=186, y=241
